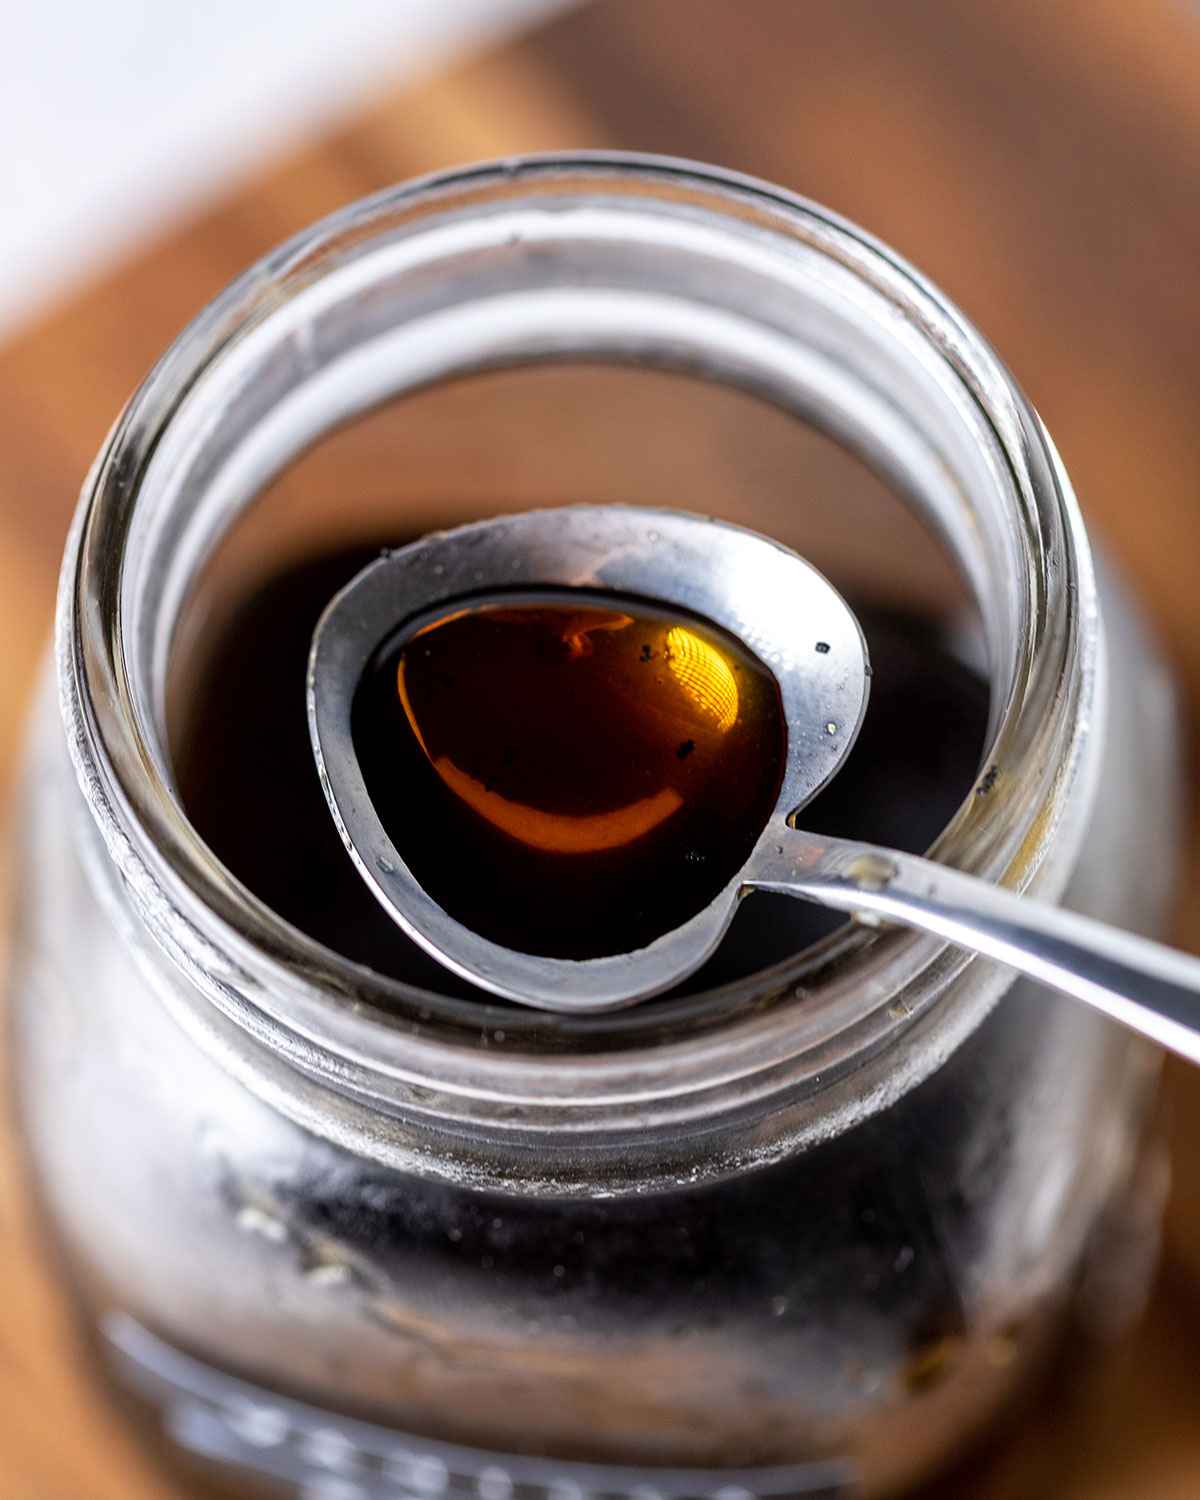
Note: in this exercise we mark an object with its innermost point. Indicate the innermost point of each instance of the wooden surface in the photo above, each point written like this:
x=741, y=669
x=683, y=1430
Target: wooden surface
x=1039, y=158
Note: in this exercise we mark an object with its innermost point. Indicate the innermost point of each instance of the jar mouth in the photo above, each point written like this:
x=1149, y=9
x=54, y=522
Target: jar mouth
x=623, y=258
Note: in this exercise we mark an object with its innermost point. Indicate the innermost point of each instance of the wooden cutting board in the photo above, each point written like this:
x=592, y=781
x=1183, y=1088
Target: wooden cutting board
x=1039, y=160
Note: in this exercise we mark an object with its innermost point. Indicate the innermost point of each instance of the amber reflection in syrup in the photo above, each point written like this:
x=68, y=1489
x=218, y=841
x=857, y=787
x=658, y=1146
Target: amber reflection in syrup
x=570, y=774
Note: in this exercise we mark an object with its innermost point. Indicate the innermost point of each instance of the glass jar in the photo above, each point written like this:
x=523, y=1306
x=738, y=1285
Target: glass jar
x=800, y=1233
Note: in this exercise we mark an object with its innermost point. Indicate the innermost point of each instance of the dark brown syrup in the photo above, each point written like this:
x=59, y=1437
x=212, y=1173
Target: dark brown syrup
x=570, y=774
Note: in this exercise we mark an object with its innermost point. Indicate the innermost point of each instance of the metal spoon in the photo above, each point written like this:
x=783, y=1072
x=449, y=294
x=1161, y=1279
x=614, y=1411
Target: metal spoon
x=781, y=608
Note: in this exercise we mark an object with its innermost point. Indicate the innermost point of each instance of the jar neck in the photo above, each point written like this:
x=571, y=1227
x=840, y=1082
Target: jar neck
x=621, y=259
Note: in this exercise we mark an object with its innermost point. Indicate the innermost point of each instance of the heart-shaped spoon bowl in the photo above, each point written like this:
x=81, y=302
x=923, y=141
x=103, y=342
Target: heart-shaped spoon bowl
x=765, y=596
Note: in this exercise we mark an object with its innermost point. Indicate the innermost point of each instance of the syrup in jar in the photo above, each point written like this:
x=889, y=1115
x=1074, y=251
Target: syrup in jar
x=245, y=768
x=567, y=773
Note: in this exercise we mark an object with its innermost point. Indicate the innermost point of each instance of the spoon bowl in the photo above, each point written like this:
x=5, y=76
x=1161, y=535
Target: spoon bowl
x=780, y=607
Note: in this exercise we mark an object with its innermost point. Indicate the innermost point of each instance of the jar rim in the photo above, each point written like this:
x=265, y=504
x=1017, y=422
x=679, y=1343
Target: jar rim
x=676, y=1066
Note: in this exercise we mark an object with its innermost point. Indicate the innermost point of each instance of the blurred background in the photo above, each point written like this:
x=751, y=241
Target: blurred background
x=1041, y=161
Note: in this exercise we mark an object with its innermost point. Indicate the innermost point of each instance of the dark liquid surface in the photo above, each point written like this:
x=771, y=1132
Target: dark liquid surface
x=600, y=767
x=247, y=778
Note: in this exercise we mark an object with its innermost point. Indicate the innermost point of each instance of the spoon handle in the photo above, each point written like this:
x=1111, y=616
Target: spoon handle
x=1147, y=986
